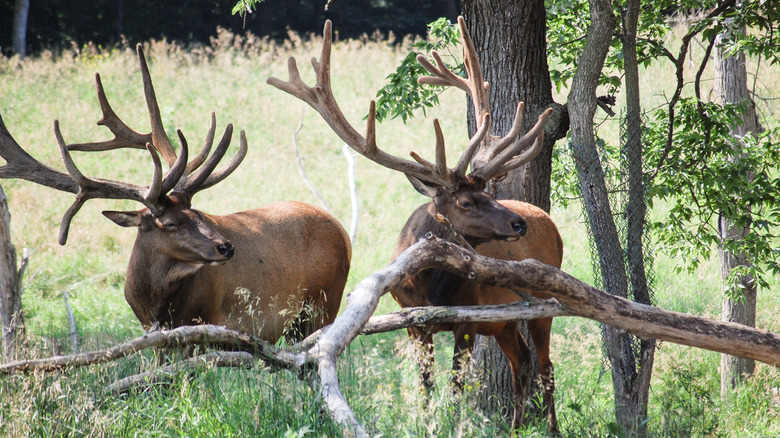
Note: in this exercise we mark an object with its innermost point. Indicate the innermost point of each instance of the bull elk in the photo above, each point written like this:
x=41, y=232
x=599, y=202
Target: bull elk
x=460, y=211
x=264, y=271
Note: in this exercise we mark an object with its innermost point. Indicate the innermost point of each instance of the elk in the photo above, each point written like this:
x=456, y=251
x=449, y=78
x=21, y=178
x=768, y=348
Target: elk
x=460, y=211
x=272, y=271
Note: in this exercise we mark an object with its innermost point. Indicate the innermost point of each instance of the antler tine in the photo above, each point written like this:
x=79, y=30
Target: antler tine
x=320, y=97
x=476, y=140
x=442, y=75
x=157, y=188
x=89, y=188
x=179, y=168
x=511, y=157
x=160, y=139
x=473, y=84
x=514, y=131
x=476, y=82
x=206, y=148
x=194, y=182
x=223, y=172
x=20, y=164
x=124, y=136
x=443, y=174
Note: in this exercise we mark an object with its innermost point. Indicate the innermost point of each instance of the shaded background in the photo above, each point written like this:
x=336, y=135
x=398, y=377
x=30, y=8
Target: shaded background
x=55, y=24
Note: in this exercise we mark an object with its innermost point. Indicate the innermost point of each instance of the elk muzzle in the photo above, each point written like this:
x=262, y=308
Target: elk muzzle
x=226, y=249
x=520, y=226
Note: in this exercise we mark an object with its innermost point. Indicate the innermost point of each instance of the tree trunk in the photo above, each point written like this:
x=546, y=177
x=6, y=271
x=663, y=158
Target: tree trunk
x=510, y=40
x=732, y=81
x=10, y=291
x=21, y=10
x=634, y=398
x=630, y=380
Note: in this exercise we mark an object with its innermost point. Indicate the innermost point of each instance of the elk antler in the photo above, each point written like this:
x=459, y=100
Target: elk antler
x=506, y=153
x=321, y=98
x=19, y=164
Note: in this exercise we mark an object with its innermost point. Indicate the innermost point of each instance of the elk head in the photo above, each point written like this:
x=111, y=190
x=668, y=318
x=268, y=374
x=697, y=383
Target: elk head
x=458, y=198
x=167, y=222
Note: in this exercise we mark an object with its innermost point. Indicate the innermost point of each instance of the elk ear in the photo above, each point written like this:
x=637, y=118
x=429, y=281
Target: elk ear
x=124, y=218
x=424, y=187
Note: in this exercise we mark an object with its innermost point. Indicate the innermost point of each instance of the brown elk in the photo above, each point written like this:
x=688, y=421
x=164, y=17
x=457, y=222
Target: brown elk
x=280, y=269
x=460, y=211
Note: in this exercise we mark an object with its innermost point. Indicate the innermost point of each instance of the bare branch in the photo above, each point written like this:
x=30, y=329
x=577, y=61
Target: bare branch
x=207, y=335
x=299, y=162
x=232, y=359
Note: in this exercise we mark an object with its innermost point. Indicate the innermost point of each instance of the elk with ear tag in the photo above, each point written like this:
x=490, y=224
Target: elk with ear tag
x=461, y=211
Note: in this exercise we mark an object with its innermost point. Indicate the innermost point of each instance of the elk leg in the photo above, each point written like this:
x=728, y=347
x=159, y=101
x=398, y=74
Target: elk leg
x=511, y=342
x=423, y=343
x=540, y=333
x=464, y=345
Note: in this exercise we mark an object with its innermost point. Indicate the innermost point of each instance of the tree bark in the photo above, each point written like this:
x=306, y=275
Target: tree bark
x=635, y=396
x=732, y=87
x=630, y=388
x=21, y=11
x=10, y=290
x=510, y=40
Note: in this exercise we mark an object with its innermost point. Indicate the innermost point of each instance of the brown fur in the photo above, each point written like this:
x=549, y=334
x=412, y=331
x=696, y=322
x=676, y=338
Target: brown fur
x=435, y=287
x=288, y=255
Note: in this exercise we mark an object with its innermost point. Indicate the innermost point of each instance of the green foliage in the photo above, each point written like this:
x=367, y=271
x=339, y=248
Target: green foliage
x=688, y=396
x=707, y=176
x=403, y=95
x=567, y=25
x=700, y=181
x=762, y=17
x=244, y=7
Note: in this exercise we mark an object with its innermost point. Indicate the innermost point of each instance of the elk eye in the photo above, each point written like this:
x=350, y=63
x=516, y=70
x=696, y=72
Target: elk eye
x=466, y=205
x=170, y=226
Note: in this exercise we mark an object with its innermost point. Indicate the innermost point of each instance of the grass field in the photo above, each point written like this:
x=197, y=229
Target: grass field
x=377, y=375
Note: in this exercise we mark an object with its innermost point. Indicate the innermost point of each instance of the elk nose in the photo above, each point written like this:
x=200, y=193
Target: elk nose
x=520, y=226
x=226, y=249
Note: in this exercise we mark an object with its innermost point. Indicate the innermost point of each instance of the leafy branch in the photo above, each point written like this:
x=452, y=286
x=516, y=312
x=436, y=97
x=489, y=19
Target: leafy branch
x=403, y=95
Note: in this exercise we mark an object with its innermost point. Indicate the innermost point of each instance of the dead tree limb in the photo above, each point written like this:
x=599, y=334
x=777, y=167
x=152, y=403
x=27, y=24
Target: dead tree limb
x=414, y=316
x=233, y=359
x=207, y=335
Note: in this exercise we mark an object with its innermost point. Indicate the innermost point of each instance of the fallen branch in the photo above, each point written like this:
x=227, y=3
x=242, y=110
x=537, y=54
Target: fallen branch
x=233, y=359
x=576, y=297
x=207, y=335
x=418, y=316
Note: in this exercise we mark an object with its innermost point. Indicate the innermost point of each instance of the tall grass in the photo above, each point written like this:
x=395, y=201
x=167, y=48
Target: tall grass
x=378, y=375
